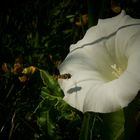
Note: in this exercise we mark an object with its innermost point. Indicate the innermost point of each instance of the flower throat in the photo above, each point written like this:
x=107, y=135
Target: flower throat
x=117, y=71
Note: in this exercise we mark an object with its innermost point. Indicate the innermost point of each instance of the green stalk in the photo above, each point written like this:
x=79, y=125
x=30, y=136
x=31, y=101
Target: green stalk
x=92, y=12
x=87, y=126
x=96, y=9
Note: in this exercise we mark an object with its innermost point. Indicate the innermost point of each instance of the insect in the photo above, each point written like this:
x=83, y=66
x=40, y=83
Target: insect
x=64, y=76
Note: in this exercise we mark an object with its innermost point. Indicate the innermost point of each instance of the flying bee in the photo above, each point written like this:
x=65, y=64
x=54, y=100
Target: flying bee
x=64, y=76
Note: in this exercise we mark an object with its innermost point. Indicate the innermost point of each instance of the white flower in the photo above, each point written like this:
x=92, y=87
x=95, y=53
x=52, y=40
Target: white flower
x=105, y=66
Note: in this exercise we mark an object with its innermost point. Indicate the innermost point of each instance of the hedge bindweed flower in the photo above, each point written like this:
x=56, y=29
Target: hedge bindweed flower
x=105, y=66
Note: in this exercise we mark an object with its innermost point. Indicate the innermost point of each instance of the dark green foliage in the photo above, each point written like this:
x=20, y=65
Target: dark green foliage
x=17, y=104
x=40, y=33
x=55, y=117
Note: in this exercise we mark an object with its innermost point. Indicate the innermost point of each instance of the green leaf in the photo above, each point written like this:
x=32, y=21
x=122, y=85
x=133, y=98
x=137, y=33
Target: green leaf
x=50, y=83
x=47, y=78
x=113, y=126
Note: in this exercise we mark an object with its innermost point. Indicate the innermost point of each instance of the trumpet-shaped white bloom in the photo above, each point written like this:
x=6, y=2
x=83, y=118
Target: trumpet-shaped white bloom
x=105, y=66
